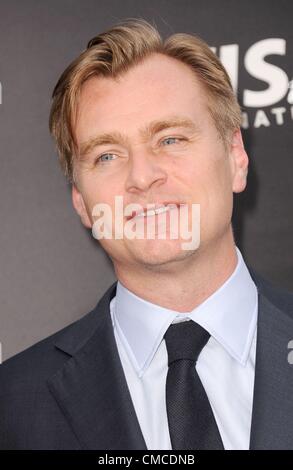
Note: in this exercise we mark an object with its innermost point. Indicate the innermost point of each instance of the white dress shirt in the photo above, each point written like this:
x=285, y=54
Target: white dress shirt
x=225, y=366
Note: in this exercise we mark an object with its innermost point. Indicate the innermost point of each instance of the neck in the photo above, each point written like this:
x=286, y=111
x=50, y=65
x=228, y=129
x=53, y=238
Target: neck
x=197, y=277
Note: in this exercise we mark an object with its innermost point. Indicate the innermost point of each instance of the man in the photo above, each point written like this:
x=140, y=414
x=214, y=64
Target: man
x=157, y=124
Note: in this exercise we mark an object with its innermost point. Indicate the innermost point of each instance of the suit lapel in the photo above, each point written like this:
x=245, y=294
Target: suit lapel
x=91, y=388
x=272, y=417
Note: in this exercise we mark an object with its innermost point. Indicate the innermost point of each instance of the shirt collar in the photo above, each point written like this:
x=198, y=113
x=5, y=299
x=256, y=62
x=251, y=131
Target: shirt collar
x=229, y=315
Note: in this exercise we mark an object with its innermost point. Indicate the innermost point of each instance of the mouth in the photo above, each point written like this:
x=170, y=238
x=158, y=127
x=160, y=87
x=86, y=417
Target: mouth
x=154, y=209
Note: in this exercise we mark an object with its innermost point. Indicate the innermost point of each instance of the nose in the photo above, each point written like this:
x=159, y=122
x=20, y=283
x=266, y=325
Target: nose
x=145, y=171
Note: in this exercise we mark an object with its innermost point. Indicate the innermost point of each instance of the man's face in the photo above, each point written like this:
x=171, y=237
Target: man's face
x=157, y=144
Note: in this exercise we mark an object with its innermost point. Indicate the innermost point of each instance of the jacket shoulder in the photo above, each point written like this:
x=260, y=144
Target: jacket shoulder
x=44, y=357
x=278, y=296
x=39, y=361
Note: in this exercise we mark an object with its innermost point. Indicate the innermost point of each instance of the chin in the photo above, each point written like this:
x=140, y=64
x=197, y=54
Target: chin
x=160, y=253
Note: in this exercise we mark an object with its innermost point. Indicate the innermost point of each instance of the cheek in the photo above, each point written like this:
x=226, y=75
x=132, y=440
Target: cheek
x=220, y=198
x=95, y=190
x=106, y=194
x=209, y=181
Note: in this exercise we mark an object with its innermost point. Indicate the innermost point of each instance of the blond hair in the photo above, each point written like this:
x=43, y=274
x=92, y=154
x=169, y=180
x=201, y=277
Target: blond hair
x=113, y=53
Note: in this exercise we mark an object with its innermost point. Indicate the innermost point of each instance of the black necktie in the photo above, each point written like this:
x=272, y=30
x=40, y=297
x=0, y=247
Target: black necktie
x=192, y=425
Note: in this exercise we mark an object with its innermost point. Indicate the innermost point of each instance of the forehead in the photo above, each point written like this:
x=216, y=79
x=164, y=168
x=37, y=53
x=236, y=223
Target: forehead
x=157, y=87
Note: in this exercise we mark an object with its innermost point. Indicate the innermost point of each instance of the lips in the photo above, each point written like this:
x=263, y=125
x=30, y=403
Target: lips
x=154, y=209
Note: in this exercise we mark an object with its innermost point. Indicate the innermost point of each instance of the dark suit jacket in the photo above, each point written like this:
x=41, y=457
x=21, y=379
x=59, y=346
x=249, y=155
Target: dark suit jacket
x=69, y=390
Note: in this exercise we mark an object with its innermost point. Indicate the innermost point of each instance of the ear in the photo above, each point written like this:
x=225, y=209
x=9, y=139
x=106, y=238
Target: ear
x=79, y=206
x=239, y=162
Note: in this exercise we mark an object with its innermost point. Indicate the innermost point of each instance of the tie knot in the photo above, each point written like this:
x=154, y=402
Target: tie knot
x=185, y=340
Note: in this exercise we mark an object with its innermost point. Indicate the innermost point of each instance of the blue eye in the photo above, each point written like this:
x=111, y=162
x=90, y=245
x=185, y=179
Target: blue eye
x=170, y=140
x=105, y=157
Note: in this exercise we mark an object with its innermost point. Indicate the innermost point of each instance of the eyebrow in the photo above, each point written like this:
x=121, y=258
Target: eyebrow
x=146, y=132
